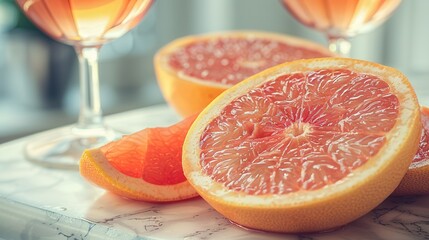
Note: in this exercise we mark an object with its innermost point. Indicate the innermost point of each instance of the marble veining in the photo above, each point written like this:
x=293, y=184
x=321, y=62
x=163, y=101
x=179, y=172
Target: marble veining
x=40, y=203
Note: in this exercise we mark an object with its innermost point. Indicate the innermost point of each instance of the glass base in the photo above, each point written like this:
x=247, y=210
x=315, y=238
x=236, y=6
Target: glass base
x=63, y=148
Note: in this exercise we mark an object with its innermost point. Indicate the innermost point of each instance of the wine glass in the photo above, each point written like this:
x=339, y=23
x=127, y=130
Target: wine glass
x=86, y=25
x=341, y=19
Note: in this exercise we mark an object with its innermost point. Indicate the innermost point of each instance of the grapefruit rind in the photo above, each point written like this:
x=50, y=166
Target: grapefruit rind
x=415, y=181
x=97, y=169
x=330, y=206
x=177, y=88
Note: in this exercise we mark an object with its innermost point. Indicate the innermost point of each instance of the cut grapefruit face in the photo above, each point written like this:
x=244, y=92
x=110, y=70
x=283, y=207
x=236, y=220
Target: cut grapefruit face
x=193, y=70
x=146, y=165
x=305, y=146
x=416, y=181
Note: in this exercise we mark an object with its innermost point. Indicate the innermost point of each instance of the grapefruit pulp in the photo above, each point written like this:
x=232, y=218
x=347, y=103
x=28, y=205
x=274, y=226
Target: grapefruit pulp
x=145, y=165
x=193, y=70
x=416, y=180
x=305, y=146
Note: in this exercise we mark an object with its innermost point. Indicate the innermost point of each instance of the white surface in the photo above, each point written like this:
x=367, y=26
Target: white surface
x=52, y=204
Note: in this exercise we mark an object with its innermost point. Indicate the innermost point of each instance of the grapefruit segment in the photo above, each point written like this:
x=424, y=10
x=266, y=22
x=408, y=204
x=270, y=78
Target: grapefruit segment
x=416, y=180
x=304, y=146
x=145, y=165
x=206, y=65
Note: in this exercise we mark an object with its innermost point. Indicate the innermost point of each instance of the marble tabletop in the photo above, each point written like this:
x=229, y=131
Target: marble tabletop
x=40, y=203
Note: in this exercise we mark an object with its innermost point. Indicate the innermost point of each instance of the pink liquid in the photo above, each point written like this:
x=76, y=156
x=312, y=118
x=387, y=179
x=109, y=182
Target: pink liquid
x=341, y=18
x=85, y=22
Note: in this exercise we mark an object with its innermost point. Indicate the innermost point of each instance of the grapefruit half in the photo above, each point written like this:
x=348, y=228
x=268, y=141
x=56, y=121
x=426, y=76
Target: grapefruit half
x=416, y=181
x=305, y=146
x=193, y=70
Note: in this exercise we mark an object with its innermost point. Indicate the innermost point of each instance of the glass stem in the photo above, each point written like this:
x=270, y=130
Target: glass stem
x=90, y=115
x=339, y=45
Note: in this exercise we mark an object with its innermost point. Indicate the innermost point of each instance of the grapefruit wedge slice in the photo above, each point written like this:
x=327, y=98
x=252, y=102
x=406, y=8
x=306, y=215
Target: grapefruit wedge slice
x=193, y=70
x=144, y=166
x=305, y=146
x=416, y=181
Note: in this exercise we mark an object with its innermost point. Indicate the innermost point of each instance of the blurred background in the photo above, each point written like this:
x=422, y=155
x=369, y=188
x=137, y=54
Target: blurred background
x=39, y=77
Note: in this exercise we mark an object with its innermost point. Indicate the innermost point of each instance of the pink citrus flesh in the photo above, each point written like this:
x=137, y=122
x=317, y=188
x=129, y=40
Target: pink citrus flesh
x=307, y=131
x=423, y=152
x=229, y=60
x=152, y=154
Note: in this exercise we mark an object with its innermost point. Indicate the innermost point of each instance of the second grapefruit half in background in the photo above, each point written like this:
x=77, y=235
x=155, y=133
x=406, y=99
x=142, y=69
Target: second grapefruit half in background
x=193, y=70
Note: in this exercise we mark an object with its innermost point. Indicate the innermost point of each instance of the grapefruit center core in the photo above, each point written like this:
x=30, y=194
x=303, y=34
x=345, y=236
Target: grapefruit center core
x=297, y=130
